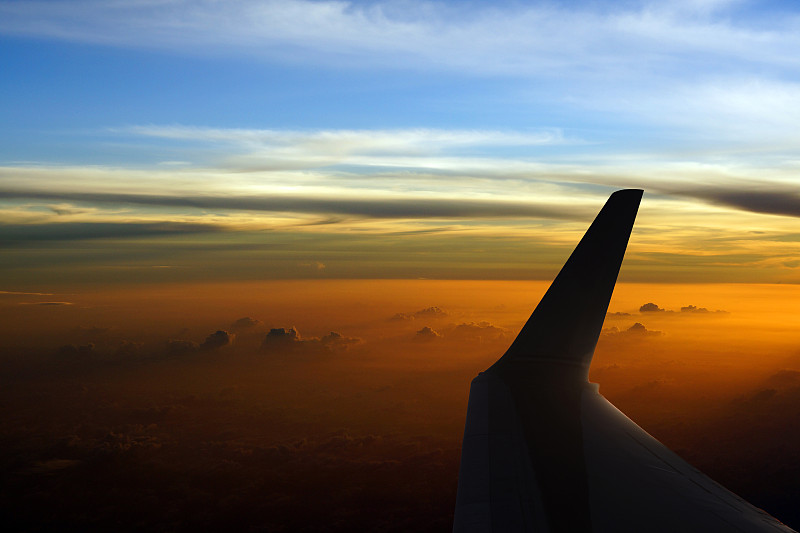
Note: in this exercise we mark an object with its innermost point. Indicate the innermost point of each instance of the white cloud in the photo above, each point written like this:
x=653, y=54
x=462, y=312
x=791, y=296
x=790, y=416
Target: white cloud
x=709, y=70
x=515, y=39
x=391, y=173
x=259, y=150
x=337, y=141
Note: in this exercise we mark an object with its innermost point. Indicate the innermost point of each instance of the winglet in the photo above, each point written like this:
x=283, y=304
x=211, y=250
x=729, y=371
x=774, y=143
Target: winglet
x=566, y=324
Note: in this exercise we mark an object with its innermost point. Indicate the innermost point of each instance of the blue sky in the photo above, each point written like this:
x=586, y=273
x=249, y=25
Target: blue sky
x=602, y=71
x=114, y=111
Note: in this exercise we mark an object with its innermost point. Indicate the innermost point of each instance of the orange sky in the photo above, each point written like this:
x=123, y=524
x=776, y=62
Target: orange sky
x=757, y=319
x=134, y=369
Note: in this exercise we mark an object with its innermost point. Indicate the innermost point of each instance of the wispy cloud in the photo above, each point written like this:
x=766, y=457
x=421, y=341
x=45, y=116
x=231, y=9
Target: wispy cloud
x=375, y=207
x=264, y=149
x=695, y=101
x=47, y=304
x=385, y=174
x=514, y=38
x=17, y=234
x=756, y=198
x=719, y=72
x=423, y=140
x=17, y=293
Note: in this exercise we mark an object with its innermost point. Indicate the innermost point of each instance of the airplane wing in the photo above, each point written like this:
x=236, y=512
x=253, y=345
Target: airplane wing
x=543, y=451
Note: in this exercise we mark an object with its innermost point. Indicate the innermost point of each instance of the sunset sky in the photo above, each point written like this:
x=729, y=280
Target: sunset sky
x=397, y=182
x=177, y=140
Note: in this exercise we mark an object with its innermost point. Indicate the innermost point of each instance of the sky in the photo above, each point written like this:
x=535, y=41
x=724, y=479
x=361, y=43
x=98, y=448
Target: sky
x=149, y=141
x=339, y=405
x=253, y=249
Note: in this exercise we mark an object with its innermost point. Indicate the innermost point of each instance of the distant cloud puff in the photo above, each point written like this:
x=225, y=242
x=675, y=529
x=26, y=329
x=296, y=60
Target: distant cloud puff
x=336, y=342
x=426, y=334
x=637, y=330
x=217, y=340
x=428, y=312
x=700, y=310
x=693, y=309
x=289, y=340
x=651, y=307
x=280, y=338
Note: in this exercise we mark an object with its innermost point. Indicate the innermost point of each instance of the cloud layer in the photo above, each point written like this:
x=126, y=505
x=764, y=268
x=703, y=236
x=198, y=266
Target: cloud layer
x=494, y=38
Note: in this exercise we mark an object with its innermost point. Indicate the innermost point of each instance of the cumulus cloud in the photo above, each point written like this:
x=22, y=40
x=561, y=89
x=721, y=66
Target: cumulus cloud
x=289, y=341
x=212, y=342
x=280, y=339
x=426, y=334
x=217, y=340
x=650, y=307
x=700, y=310
x=427, y=313
x=693, y=309
x=337, y=342
x=653, y=308
x=430, y=312
x=637, y=330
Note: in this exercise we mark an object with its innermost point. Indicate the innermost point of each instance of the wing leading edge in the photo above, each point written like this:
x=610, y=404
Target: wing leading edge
x=543, y=451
